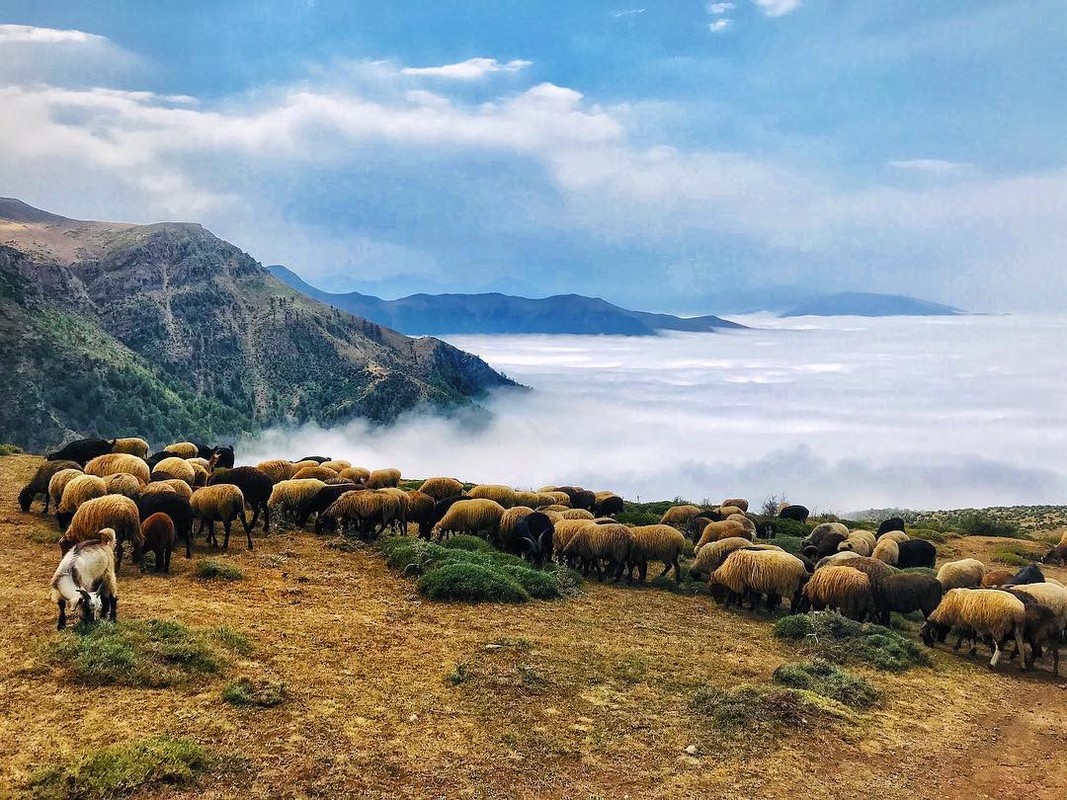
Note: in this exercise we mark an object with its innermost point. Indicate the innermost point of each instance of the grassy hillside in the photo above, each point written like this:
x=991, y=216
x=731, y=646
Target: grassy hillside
x=319, y=671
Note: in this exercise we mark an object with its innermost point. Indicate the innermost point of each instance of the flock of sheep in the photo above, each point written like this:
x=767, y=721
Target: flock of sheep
x=110, y=494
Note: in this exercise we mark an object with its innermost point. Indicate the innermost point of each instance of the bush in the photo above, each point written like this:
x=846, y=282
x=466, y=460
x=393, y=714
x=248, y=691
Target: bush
x=463, y=541
x=789, y=528
x=761, y=712
x=122, y=769
x=977, y=523
x=10, y=450
x=246, y=693
x=473, y=583
x=791, y=544
x=1013, y=557
x=835, y=638
x=149, y=654
x=824, y=678
x=211, y=569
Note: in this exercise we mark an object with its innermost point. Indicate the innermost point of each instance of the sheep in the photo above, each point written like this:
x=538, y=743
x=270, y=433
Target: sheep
x=679, y=515
x=299, y=465
x=722, y=530
x=400, y=520
x=966, y=573
x=110, y=511
x=1048, y=594
x=368, y=511
x=357, y=474
x=223, y=456
x=176, y=507
x=78, y=491
x=470, y=516
x=887, y=551
x=565, y=530
x=132, y=445
x=696, y=525
x=203, y=462
x=592, y=543
x=421, y=508
x=736, y=502
x=710, y=557
x=321, y=473
x=837, y=559
x=255, y=485
x=277, y=469
x=383, y=478
x=577, y=513
x=841, y=589
x=748, y=524
x=916, y=553
x=656, y=543
x=1042, y=628
x=58, y=482
x=726, y=511
x=336, y=464
x=509, y=519
x=577, y=497
x=528, y=499
x=175, y=485
x=751, y=572
x=200, y=474
x=987, y=612
x=159, y=537
x=223, y=503
x=316, y=459
x=290, y=494
x=557, y=498
x=183, y=449
x=40, y=482
x=794, y=512
x=1058, y=554
x=1028, y=574
x=81, y=451
x=439, y=488
x=891, y=524
x=823, y=540
x=557, y=509
x=894, y=536
x=322, y=500
x=525, y=533
x=113, y=463
x=174, y=467
x=874, y=569
x=123, y=483
x=504, y=495
x=86, y=579
x=996, y=577
x=608, y=504
x=905, y=592
x=861, y=542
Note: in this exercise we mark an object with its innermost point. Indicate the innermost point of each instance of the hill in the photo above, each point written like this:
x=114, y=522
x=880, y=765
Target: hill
x=866, y=304
x=491, y=313
x=167, y=331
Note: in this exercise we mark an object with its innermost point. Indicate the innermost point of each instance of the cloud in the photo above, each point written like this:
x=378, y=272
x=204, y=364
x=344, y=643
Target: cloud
x=471, y=69
x=930, y=165
x=28, y=34
x=718, y=25
x=719, y=8
x=65, y=57
x=629, y=12
x=777, y=8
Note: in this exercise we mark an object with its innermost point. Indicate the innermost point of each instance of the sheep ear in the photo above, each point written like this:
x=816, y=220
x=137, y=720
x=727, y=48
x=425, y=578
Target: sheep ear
x=84, y=598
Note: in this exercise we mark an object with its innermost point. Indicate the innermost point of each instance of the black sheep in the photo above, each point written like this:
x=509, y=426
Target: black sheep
x=255, y=485
x=1029, y=574
x=38, y=484
x=531, y=538
x=916, y=553
x=798, y=513
x=316, y=459
x=82, y=451
x=904, y=592
x=322, y=500
x=609, y=506
x=891, y=524
x=223, y=455
x=174, y=506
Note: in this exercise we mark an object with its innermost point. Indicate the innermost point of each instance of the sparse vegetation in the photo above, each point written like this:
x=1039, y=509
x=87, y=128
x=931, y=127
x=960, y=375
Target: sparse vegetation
x=262, y=694
x=212, y=569
x=828, y=680
x=10, y=450
x=760, y=713
x=1017, y=555
x=833, y=637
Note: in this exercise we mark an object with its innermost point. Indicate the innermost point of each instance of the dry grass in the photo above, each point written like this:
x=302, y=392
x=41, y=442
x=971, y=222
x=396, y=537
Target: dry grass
x=390, y=695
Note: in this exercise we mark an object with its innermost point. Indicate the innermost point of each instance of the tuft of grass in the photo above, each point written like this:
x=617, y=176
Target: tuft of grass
x=833, y=637
x=264, y=694
x=212, y=569
x=1015, y=555
x=10, y=450
x=791, y=544
x=463, y=541
x=789, y=528
x=472, y=583
x=825, y=679
x=632, y=669
x=761, y=712
x=121, y=769
x=144, y=654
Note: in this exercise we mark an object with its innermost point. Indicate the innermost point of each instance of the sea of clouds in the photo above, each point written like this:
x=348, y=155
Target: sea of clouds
x=836, y=413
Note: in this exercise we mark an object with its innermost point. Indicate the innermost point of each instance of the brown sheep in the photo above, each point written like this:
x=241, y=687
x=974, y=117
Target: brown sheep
x=109, y=511
x=592, y=543
x=174, y=467
x=113, y=463
x=183, y=449
x=679, y=515
x=383, y=478
x=498, y=493
x=726, y=529
x=441, y=488
x=736, y=502
x=58, y=483
x=41, y=480
x=158, y=534
x=319, y=473
x=78, y=491
x=357, y=474
x=123, y=483
x=223, y=503
x=656, y=543
x=277, y=469
x=841, y=589
x=132, y=445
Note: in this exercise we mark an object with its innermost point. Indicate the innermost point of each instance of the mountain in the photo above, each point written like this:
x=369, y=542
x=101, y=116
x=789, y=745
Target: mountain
x=500, y=313
x=167, y=331
x=864, y=304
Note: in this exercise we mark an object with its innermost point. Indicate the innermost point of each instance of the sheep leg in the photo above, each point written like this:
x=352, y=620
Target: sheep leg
x=248, y=533
x=266, y=518
x=166, y=559
x=62, y=614
x=1019, y=646
x=118, y=556
x=189, y=542
x=226, y=525
x=114, y=613
x=255, y=518
x=996, y=655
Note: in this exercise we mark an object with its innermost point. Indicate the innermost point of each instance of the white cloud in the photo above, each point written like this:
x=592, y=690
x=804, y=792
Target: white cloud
x=629, y=12
x=28, y=34
x=932, y=165
x=718, y=25
x=719, y=8
x=471, y=69
x=777, y=8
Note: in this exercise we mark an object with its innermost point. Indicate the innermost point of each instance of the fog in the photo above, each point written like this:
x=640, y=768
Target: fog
x=837, y=413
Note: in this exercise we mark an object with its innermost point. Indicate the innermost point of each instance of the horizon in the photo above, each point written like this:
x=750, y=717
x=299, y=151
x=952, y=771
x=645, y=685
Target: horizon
x=656, y=158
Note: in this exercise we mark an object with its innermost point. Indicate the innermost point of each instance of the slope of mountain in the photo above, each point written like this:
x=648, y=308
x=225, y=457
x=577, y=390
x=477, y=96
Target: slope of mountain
x=865, y=304
x=500, y=313
x=167, y=331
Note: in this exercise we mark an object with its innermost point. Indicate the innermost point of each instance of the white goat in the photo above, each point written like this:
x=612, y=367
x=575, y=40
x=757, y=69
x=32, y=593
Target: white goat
x=85, y=578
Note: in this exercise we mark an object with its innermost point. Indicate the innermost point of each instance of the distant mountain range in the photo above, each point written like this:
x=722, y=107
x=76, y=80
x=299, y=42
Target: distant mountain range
x=864, y=304
x=166, y=331
x=440, y=314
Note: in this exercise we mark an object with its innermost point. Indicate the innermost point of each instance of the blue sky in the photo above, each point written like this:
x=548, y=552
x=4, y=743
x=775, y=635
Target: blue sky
x=665, y=155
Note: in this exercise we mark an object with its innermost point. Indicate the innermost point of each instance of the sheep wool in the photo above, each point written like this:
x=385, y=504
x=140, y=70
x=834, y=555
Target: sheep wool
x=383, y=478
x=565, y=529
x=836, y=559
x=1050, y=595
x=290, y=494
x=123, y=483
x=773, y=573
x=317, y=472
x=894, y=536
x=183, y=449
x=357, y=474
x=114, y=463
x=860, y=542
x=841, y=589
x=576, y=513
x=471, y=516
x=336, y=464
x=80, y=490
x=132, y=445
x=510, y=518
x=504, y=495
x=174, y=467
x=679, y=515
x=223, y=503
x=662, y=543
x=750, y=526
x=277, y=469
x=40, y=481
x=725, y=511
x=58, y=482
x=887, y=550
x=110, y=511
x=162, y=487
x=591, y=543
x=736, y=502
x=710, y=557
x=984, y=612
x=966, y=573
x=996, y=577
x=723, y=530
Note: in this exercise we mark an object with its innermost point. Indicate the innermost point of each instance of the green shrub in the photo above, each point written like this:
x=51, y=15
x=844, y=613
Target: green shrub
x=835, y=638
x=472, y=583
x=535, y=582
x=789, y=528
x=760, y=712
x=791, y=544
x=824, y=678
x=148, y=654
x=463, y=541
x=1013, y=557
x=122, y=769
x=977, y=523
x=246, y=693
x=10, y=450
x=211, y=569
x=638, y=517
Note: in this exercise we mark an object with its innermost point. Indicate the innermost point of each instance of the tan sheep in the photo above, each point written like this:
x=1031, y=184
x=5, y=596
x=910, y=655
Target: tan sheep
x=558, y=498
x=317, y=472
x=200, y=474
x=894, y=536
x=736, y=502
x=555, y=509
x=132, y=445
x=752, y=573
x=565, y=529
x=367, y=512
x=183, y=449
x=307, y=462
x=726, y=511
x=593, y=543
x=400, y=520
x=357, y=474
x=887, y=550
x=174, y=467
x=841, y=589
x=441, y=488
x=123, y=483
x=277, y=469
x=710, y=557
x=528, y=499
x=58, y=482
x=223, y=503
x=656, y=543
x=743, y=519
x=860, y=541
x=79, y=490
x=383, y=478
x=113, y=463
x=336, y=464
x=509, y=519
x=290, y=494
x=679, y=515
x=966, y=573
x=499, y=493
x=163, y=487
x=179, y=486
x=983, y=612
x=726, y=529
x=478, y=515
x=110, y=511
x=576, y=513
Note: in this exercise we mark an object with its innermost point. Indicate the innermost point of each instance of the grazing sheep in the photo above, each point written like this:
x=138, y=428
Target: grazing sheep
x=123, y=483
x=1058, y=554
x=837, y=559
x=174, y=467
x=58, y=482
x=841, y=589
x=440, y=488
x=861, y=542
x=794, y=512
x=357, y=474
x=77, y=492
x=176, y=485
x=291, y=494
x=894, y=536
x=85, y=578
x=696, y=525
x=223, y=503
x=565, y=529
x=255, y=485
x=320, y=473
x=509, y=519
x=277, y=469
x=81, y=451
x=656, y=543
x=592, y=543
x=679, y=515
x=41, y=481
x=504, y=495
x=710, y=557
x=905, y=592
x=132, y=445
x=726, y=511
x=400, y=520
x=823, y=540
x=736, y=502
x=752, y=573
x=985, y=612
x=743, y=519
x=223, y=456
x=887, y=551
x=383, y=478
x=200, y=474
x=369, y=512
x=183, y=449
x=471, y=516
x=322, y=500
x=1043, y=628
x=722, y=530
x=159, y=537
x=176, y=507
x=608, y=504
x=1048, y=594
x=1028, y=574
x=421, y=507
x=557, y=498
x=966, y=573
x=110, y=511
x=528, y=499
x=916, y=553
x=299, y=465
x=558, y=509
x=161, y=487
x=113, y=463
x=336, y=464
x=526, y=533
x=891, y=524
x=874, y=569
x=577, y=513
x=316, y=459
x=996, y=577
